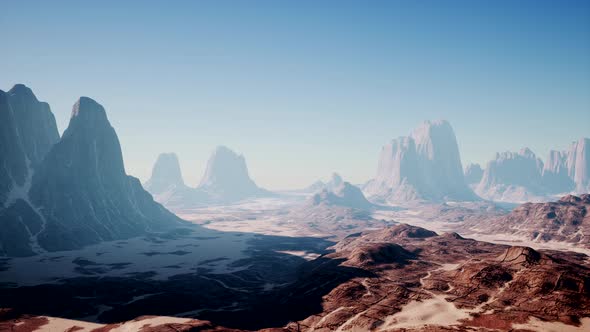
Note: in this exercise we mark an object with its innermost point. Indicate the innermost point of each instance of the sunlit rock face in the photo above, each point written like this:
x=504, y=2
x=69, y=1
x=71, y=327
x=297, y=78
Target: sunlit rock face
x=555, y=173
x=80, y=193
x=335, y=181
x=423, y=166
x=522, y=177
x=512, y=177
x=226, y=178
x=578, y=164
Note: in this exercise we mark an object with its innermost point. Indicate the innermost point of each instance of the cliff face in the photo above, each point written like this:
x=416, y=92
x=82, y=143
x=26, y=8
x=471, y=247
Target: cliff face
x=226, y=178
x=27, y=132
x=80, y=193
x=513, y=177
x=423, y=166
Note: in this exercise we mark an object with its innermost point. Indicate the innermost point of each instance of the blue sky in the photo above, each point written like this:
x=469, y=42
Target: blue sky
x=305, y=88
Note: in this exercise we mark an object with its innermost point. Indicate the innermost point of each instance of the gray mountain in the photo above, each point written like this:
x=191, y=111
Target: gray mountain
x=167, y=185
x=27, y=132
x=80, y=193
x=344, y=195
x=555, y=175
x=226, y=178
x=335, y=181
x=578, y=164
x=513, y=177
x=473, y=173
x=314, y=187
x=423, y=166
x=166, y=174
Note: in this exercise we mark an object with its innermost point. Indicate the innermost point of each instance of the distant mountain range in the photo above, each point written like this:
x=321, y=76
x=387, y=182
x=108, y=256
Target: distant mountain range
x=226, y=180
x=60, y=193
x=426, y=167
x=522, y=176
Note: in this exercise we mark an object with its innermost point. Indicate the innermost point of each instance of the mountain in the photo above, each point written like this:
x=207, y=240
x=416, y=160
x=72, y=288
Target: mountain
x=335, y=181
x=423, y=166
x=226, y=178
x=335, y=212
x=564, y=220
x=345, y=195
x=314, y=187
x=473, y=173
x=513, y=177
x=520, y=177
x=166, y=174
x=578, y=163
x=167, y=185
x=80, y=193
x=27, y=131
x=555, y=175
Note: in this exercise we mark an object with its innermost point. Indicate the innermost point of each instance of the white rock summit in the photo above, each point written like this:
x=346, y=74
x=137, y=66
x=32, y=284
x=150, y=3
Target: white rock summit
x=522, y=177
x=344, y=195
x=512, y=177
x=578, y=164
x=423, y=166
x=335, y=181
x=226, y=180
x=166, y=174
x=226, y=177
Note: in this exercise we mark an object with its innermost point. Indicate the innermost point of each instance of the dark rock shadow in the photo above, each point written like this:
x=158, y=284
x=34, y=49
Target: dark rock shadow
x=268, y=288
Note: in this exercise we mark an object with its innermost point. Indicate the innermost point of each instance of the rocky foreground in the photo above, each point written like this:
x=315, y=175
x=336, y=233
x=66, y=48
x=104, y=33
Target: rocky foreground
x=565, y=220
x=406, y=278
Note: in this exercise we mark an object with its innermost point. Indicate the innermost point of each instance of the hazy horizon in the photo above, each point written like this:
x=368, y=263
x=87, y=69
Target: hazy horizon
x=301, y=93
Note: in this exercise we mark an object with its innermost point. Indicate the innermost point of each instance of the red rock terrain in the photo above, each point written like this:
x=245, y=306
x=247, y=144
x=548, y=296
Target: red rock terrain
x=566, y=220
x=406, y=278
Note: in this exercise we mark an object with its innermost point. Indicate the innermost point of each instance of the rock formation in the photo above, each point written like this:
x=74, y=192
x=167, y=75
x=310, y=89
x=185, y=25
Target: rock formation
x=520, y=177
x=578, y=163
x=512, y=177
x=345, y=195
x=27, y=132
x=166, y=174
x=80, y=193
x=335, y=181
x=565, y=220
x=555, y=173
x=411, y=279
x=314, y=187
x=473, y=174
x=226, y=178
x=423, y=166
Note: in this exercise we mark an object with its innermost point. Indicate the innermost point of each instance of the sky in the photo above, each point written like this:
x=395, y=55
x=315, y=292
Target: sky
x=306, y=88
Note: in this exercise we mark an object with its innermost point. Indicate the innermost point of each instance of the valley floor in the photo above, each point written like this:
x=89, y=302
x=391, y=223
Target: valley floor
x=232, y=257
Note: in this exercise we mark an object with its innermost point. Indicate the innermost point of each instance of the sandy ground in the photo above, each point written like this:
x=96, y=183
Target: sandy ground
x=61, y=325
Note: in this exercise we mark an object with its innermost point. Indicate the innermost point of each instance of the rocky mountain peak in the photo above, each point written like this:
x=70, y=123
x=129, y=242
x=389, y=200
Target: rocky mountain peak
x=87, y=109
x=423, y=166
x=165, y=174
x=345, y=195
x=473, y=173
x=22, y=91
x=226, y=169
